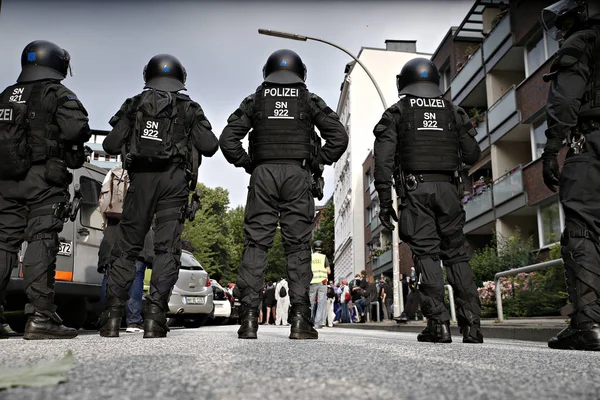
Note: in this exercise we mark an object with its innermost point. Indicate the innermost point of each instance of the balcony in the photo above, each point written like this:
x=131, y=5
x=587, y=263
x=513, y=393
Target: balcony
x=467, y=78
x=375, y=223
x=382, y=262
x=479, y=204
x=503, y=115
x=482, y=133
x=508, y=186
x=372, y=191
x=496, y=45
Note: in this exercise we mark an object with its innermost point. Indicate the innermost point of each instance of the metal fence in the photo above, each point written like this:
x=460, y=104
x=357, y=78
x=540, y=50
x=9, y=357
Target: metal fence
x=516, y=271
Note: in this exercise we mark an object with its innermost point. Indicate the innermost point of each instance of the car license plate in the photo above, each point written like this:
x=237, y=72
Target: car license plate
x=217, y=305
x=194, y=300
x=65, y=249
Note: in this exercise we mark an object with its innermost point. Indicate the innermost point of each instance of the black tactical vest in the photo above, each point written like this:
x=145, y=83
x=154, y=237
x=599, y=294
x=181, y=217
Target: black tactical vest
x=590, y=104
x=428, y=135
x=43, y=136
x=281, y=125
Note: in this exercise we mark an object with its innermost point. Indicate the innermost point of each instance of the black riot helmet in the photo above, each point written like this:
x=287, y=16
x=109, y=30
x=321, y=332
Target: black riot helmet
x=419, y=77
x=318, y=245
x=165, y=72
x=284, y=67
x=563, y=18
x=43, y=60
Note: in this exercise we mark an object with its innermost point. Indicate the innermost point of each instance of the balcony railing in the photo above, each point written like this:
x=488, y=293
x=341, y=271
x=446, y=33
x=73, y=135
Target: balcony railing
x=481, y=129
x=479, y=204
x=503, y=109
x=382, y=259
x=496, y=38
x=468, y=71
x=375, y=222
x=508, y=186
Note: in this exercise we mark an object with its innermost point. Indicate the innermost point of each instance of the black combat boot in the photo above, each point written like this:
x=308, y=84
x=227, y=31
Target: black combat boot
x=3, y=333
x=472, y=333
x=426, y=334
x=110, y=319
x=155, y=318
x=46, y=326
x=442, y=332
x=248, y=323
x=403, y=318
x=301, y=324
x=583, y=336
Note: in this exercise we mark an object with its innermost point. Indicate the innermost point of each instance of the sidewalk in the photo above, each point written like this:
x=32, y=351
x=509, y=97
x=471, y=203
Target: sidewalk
x=533, y=329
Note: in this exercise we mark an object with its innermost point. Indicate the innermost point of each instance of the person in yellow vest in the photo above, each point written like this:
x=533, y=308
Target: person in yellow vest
x=318, y=285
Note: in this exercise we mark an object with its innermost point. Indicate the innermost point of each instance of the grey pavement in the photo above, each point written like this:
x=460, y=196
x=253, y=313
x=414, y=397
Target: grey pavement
x=211, y=363
x=538, y=329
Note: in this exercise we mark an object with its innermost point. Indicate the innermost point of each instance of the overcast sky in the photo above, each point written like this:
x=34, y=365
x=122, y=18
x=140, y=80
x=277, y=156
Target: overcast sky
x=217, y=42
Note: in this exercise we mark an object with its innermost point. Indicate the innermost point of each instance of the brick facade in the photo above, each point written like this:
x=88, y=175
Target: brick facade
x=524, y=18
x=533, y=182
x=452, y=52
x=533, y=93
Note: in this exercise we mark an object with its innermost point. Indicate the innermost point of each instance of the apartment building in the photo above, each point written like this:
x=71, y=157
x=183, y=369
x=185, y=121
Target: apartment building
x=360, y=108
x=98, y=156
x=492, y=66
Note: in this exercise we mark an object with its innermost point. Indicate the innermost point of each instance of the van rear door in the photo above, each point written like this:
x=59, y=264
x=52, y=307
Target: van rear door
x=88, y=226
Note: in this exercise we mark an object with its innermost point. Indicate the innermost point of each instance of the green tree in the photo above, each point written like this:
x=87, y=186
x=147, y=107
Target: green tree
x=277, y=264
x=236, y=238
x=326, y=233
x=208, y=232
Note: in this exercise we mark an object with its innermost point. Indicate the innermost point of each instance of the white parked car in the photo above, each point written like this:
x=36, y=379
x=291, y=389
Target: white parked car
x=222, y=302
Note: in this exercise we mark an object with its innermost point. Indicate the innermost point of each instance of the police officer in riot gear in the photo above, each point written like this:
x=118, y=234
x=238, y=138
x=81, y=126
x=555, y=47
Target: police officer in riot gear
x=573, y=114
x=284, y=152
x=422, y=141
x=42, y=131
x=159, y=132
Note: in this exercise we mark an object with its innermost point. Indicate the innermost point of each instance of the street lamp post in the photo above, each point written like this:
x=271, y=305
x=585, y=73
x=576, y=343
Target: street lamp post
x=398, y=297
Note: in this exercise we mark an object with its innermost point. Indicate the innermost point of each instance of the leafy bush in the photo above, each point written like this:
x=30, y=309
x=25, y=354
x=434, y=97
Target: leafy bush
x=538, y=293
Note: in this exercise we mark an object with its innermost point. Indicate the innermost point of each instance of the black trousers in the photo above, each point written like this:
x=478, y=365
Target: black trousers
x=580, y=199
x=26, y=214
x=432, y=224
x=163, y=194
x=278, y=193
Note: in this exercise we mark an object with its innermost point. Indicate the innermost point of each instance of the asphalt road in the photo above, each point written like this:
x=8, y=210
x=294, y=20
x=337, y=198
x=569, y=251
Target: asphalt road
x=211, y=363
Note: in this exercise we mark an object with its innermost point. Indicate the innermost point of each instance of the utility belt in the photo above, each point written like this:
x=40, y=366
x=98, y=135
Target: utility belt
x=412, y=180
x=301, y=163
x=576, y=136
x=588, y=126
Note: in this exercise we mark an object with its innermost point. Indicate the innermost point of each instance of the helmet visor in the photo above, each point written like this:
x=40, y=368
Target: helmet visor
x=552, y=17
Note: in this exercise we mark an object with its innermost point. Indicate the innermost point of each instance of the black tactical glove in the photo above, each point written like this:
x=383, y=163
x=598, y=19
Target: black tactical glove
x=249, y=167
x=550, y=171
x=386, y=211
x=317, y=166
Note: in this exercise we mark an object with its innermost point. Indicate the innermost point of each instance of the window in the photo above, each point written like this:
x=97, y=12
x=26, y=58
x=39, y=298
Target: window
x=536, y=55
x=551, y=45
x=538, y=51
x=96, y=156
x=445, y=79
x=550, y=221
x=539, y=138
x=368, y=180
x=89, y=215
x=369, y=215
